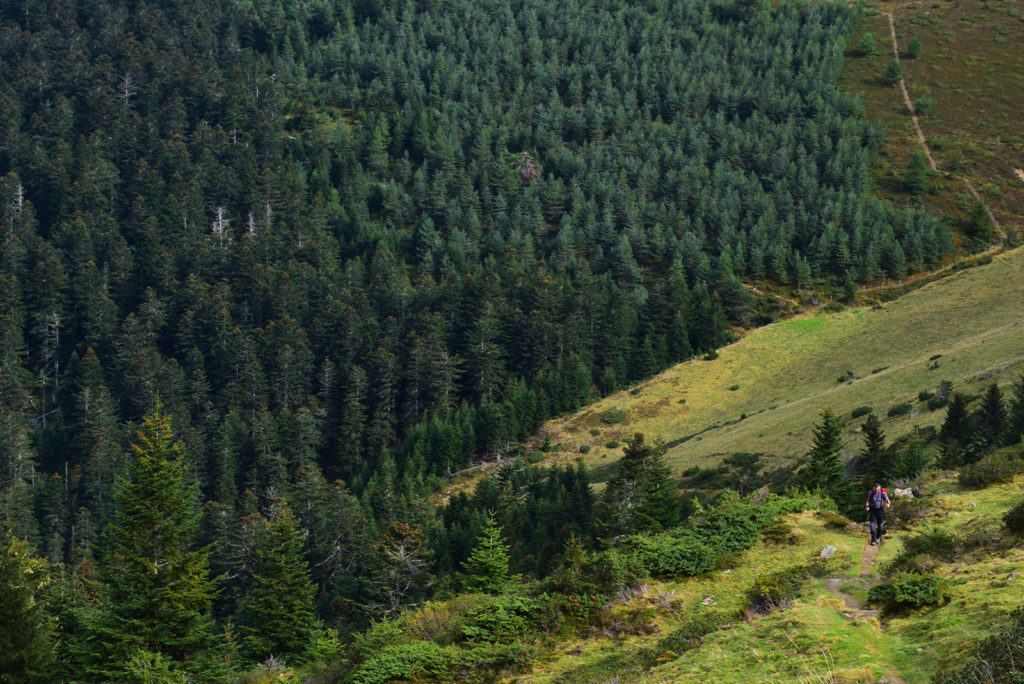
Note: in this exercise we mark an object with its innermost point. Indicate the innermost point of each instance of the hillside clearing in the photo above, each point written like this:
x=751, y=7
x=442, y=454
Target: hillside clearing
x=765, y=391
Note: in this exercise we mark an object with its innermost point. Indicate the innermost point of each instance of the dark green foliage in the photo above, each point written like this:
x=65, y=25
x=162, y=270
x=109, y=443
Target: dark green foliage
x=893, y=72
x=640, y=496
x=915, y=48
x=278, y=608
x=612, y=416
x=486, y=569
x=915, y=176
x=685, y=637
x=924, y=105
x=868, y=45
x=907, y=511
x=1001, y=466
x=155, y=594
x=1015, y=419
x=499, y=619
x=991, y=419
x=427, y=661
x=921, y=551
x=861, y=411
x=999, y=658
x=956, y=437
x=979, y=228
x=667, y=557
x=872, y=464
x=910, y=590
x=823, y=467
x=600, y=573
x=1014, y=518
x=775, y=590
x=27, y=637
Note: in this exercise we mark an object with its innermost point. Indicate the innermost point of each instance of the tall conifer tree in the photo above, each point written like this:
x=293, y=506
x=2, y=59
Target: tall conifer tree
x=156, y=593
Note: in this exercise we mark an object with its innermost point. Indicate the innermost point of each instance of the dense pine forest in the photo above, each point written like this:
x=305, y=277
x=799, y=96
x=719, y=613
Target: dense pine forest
x=341, y=250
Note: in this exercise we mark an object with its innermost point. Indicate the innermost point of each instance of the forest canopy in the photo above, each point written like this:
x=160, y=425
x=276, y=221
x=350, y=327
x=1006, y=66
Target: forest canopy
x=360, y=242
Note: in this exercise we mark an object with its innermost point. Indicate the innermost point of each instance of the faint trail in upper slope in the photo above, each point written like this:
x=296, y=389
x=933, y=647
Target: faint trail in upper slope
x=920, y=134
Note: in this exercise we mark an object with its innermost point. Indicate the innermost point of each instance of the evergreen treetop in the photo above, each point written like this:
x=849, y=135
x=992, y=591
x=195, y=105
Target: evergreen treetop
x=487, y=568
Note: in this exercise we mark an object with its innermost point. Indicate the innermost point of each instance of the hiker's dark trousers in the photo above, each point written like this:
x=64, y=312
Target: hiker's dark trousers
x=876, y=520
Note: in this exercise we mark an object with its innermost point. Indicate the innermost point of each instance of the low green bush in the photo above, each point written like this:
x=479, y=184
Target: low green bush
x=910, y=590
x=612, y=416
x=861, y=411
x=498, y=619
x=611, y=445
x=998, y=467
x=999, y=658
x=427, y=661
x=584, y=448
x=1014, y=518
x=595, y=574
x=899, y=410
x=684, y=638
x=666, y=556
x=775, y=590
x=922, y=551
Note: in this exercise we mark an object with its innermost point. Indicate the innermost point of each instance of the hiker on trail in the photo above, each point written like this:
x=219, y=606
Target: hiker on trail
x=878, y=501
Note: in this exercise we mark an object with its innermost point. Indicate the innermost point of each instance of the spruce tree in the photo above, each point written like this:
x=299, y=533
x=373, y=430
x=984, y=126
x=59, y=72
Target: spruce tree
x=824, y=466
x=155, y=594
x=915, y=177
x=26, y=635
x=894, y=72
x=991, y=418
x=1015, y=418
x=278, y=607
x=640, y=496
x=957, y=434
x=486, y=569
x=871, y=465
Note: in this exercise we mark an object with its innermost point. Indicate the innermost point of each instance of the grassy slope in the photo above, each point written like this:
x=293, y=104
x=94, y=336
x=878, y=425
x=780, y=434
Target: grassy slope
x=972, y=67
x=813, y=640
x=787, y=373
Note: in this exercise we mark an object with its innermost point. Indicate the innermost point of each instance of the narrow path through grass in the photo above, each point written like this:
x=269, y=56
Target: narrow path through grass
x=920, y=134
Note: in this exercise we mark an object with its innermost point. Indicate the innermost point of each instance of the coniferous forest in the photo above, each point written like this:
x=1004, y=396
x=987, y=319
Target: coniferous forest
x=308, y=258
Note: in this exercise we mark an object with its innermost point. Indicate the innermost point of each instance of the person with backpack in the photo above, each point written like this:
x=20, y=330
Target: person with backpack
x=878, y=501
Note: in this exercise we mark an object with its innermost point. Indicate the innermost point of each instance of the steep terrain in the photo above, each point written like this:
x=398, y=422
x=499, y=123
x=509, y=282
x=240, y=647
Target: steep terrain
x=763, y=393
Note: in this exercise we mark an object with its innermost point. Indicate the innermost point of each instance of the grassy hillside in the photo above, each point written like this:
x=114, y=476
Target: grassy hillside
x=972, y=69
x=821, y=635
x=765, y=391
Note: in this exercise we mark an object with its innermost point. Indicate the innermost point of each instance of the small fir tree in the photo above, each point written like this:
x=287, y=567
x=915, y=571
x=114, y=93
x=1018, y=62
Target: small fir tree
x=486, y=569
x=640, y=496
x=278, y=607
x=824, y=466
x=957, y=434
x=872, y=462
x=893, y=73
x=915, y=48
x=991, y=418
x=916, y=175
x=868, y=45
x=979, y=225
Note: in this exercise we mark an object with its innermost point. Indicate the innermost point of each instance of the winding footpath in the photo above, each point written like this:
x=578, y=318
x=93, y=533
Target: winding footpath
x=920, y=134
x=854, y=609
